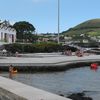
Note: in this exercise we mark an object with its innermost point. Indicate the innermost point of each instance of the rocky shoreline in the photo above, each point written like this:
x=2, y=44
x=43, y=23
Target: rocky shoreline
x=77, y=96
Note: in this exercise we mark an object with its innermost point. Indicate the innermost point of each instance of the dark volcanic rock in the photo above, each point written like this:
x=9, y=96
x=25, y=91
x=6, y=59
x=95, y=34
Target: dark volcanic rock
x=79, y=96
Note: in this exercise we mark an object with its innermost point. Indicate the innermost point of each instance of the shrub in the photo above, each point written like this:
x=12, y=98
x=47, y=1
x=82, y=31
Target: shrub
x=33, y=48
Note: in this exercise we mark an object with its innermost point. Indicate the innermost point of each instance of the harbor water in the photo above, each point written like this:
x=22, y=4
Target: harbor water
x=66, y=82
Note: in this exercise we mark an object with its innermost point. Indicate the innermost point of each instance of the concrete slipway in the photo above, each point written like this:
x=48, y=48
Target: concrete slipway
x=12, y=90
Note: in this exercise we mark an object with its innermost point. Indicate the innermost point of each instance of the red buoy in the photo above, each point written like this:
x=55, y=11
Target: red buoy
x=94, y=66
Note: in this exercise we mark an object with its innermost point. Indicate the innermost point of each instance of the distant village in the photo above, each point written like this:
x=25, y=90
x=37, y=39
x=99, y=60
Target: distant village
x=8, y=35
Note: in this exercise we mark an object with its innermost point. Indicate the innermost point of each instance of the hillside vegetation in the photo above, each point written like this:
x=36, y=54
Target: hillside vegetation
x=90, y=27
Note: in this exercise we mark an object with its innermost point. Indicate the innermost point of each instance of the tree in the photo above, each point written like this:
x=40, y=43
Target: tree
x=22, y=29
x=30, y=37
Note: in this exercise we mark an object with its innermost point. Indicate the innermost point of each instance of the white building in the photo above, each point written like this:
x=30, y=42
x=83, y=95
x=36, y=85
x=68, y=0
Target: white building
x=7, y=33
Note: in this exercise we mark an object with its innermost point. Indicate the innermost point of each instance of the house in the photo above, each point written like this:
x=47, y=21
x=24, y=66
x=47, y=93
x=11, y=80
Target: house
x=7, y=33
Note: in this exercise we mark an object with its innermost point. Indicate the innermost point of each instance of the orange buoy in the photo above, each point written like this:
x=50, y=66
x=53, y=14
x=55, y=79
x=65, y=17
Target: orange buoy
x=14, y=71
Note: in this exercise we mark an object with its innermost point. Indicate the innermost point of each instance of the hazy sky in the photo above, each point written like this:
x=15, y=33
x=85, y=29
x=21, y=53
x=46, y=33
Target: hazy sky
x=43, y=13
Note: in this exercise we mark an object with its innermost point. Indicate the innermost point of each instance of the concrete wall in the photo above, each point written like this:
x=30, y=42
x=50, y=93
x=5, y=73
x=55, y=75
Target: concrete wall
x=12, y=90
x=6, y=95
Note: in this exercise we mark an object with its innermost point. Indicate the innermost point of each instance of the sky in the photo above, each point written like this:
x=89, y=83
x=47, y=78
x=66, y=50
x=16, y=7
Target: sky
x=42, y=14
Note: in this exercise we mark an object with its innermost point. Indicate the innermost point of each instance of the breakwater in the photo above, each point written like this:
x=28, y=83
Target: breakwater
x=47, y=62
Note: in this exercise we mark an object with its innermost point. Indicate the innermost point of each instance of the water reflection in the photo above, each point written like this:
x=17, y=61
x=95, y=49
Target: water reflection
x=74, y=80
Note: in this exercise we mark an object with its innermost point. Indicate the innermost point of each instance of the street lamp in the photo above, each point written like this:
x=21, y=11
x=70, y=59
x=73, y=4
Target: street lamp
x=58, y=19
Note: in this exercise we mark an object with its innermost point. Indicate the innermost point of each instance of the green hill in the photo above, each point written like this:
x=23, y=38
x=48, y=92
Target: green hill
x=90, y=27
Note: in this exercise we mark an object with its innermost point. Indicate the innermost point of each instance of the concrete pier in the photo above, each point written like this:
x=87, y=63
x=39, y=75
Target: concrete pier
x=12, y=90
x=46, y=61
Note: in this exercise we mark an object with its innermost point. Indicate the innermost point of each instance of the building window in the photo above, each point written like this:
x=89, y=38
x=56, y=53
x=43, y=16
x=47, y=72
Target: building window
x=1, y=36
x=5, y=37
x=12, y=38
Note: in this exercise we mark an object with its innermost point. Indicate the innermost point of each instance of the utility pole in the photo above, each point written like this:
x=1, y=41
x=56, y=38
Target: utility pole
x=58, y=19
